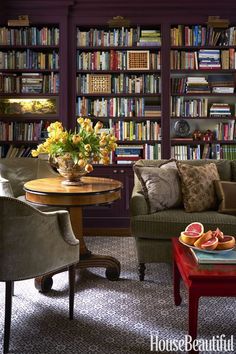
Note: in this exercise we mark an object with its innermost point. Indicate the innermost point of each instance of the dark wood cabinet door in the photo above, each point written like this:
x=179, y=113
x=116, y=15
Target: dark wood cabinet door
x=115, y=215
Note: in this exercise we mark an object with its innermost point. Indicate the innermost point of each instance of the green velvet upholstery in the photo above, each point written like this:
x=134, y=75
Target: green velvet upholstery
x=18, y=171
x=153, y=232
x=32, y=244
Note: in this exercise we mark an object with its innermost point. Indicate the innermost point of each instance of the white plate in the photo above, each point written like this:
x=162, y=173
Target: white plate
x=205, y=251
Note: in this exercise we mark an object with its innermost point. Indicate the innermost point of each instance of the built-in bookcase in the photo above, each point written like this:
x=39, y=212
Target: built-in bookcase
x=202, y=102
x=29, y=86
x=118, y=81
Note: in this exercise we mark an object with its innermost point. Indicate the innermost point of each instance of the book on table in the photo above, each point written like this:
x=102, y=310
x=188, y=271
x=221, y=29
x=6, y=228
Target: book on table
x=215, y=258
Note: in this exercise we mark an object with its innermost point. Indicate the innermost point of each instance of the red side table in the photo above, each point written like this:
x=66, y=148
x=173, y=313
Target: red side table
x=200, y=280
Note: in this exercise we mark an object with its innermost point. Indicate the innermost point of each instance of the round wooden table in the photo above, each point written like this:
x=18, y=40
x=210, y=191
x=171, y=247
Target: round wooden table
x=94, y=191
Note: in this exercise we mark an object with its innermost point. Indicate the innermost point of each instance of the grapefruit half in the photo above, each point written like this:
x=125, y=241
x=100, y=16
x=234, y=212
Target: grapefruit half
x=195, y=227
x=189, y=237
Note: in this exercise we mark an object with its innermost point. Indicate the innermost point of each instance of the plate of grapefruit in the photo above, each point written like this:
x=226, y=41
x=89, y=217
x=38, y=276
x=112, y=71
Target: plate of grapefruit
x=210, y=242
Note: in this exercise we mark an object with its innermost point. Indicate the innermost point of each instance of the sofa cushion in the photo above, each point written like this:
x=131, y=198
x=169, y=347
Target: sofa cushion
x=166, y=224
x=198, y=186
x=226, y=194
x=161, y=187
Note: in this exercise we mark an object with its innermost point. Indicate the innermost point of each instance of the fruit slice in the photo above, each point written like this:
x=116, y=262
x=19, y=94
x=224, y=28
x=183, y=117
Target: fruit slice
x=210, y=244
x=227, y=243
x=202, y=239
x=189, y=237
x=196, y=227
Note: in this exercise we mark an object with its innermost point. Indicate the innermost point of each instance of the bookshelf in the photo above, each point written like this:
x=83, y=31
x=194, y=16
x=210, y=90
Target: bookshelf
x=202, y=74
x=29, y=86
x=118, y=81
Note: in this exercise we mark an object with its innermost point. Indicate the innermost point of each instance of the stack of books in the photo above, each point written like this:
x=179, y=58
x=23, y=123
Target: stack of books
x=128, y=153
x=209, y=59
x=221, y=83
x=197, y=84
x=152, y=110
x=149, y=38
x=220, y=110
x=31, y=83
x=215, y=258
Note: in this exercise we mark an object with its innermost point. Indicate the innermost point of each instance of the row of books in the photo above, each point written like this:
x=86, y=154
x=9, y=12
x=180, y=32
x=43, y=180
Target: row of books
x=29, y=36
x=112, y=60
x=198, y=35
x=207, y=151
x=118, y=37
x=184, y=107
x=203, y=84
x=122, y=83
x=203, y=59
x=20, y=131
x=29, y=83
x=137, y=130
x=118, y=107
x=225, y=131
x=15, y=151
x=29, y=59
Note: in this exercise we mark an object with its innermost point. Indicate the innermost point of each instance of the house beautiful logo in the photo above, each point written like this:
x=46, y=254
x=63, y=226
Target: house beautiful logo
x=218, y=343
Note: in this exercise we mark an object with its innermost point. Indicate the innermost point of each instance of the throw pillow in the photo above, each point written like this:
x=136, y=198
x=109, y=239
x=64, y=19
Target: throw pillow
x=161, y=187
x=198, y=186
x=5, y=188
x=226, y=194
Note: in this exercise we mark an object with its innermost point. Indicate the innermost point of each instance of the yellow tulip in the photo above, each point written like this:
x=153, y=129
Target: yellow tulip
x=76, y=139
x=81, y=163
x=88, y=168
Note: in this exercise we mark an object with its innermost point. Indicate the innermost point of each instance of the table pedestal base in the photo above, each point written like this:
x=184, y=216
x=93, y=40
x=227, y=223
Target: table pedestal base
x=112, y=265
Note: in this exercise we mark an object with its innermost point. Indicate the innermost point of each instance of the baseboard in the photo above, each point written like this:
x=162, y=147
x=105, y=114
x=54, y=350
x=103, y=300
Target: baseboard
x=107, y=232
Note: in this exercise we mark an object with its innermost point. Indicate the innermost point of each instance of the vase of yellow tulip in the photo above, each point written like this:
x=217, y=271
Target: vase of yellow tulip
x=74, y=152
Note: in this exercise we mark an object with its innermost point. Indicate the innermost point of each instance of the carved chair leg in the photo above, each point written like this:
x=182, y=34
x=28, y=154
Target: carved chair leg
x=8, y=308
x=71, y=291
x=141, y=270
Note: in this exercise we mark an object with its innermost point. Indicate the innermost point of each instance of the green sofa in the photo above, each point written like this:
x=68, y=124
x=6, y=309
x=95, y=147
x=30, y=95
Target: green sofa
x=153, y=232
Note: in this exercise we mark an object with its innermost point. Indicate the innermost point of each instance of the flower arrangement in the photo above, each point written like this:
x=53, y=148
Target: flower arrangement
x=83, y=147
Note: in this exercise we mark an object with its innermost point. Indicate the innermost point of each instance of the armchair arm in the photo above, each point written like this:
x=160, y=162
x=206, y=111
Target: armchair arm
x=64, y=222
x=138, y=204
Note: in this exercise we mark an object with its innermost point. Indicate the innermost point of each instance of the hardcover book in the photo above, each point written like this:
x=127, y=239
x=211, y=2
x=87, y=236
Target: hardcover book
x=215, y=258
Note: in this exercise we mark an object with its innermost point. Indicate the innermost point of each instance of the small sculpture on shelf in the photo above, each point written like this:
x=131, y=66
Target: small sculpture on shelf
x=197, y=134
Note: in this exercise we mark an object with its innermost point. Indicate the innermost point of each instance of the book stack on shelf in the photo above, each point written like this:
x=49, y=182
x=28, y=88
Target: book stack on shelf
x=149, y=38
x=221, y=83
x=197, y=84
x=220, y=110
x=209, y=59
x=128, y=154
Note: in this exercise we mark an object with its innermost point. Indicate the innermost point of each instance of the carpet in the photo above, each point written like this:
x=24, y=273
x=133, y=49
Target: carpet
x=110, y=317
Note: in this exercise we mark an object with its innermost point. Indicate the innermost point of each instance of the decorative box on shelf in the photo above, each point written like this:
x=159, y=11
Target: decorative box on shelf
x=138, y=60
x=100, y=83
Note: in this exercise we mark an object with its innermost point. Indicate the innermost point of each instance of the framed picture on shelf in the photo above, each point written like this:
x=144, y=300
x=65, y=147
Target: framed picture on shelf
x=138, y=60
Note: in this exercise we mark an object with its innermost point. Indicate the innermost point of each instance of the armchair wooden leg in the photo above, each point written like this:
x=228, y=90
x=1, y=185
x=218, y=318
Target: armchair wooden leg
x=8, y=308
x=141, y=270
x=71, y=291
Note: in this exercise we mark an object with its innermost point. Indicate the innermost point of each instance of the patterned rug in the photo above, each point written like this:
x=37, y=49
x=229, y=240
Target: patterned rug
x=110, y=317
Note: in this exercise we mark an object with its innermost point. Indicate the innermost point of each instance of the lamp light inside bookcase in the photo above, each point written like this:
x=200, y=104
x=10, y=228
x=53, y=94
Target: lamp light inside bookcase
x=138, y=60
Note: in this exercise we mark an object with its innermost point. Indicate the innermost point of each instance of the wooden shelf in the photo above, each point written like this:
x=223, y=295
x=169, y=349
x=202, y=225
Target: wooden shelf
x=30, y=70
x=200, y=142
x=204, y=94
x=152, y=71
x=118, y=94
x=33, y=95
x=205, y=118
x=33, y=47
x=94, y=48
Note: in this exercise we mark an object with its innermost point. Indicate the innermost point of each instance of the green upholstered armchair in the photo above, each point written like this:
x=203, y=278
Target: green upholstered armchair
x=32, y=244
